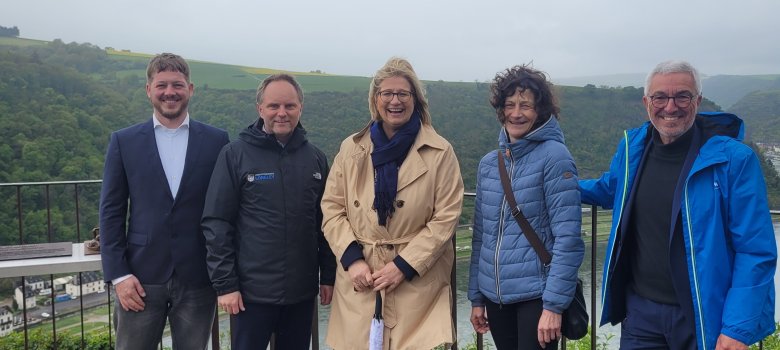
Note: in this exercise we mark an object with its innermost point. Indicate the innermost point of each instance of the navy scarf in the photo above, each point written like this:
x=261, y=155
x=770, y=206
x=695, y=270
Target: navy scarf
x=387, y=158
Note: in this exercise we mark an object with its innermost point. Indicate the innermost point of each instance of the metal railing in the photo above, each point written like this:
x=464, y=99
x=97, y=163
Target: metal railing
x=24, y=291
x=44, y=203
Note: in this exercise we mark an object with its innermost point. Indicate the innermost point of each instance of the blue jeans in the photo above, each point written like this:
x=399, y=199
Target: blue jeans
x=190, y=312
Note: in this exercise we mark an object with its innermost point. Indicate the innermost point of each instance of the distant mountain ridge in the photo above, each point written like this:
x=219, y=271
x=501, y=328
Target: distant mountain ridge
x=725, y=90
x=636, y=80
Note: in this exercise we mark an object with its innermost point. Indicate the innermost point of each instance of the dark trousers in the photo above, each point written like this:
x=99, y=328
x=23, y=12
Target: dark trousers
x=190, y=312
x=514, y=326
x=653, y=326
x=253, y=327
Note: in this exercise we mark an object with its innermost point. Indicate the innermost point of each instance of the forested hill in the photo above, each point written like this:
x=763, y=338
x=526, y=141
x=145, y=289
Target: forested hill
x=729, y=89
x=761, y=110
x=59, y=102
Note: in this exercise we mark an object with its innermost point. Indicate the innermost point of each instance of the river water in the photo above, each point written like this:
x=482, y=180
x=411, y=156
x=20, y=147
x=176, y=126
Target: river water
x=466, y=332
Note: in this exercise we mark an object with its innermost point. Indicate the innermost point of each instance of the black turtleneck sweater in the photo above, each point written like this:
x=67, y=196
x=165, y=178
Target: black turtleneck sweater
x=651, y=218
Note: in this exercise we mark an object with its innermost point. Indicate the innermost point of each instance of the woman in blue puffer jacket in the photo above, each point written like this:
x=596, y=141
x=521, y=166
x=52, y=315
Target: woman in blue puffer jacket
x=512, y=293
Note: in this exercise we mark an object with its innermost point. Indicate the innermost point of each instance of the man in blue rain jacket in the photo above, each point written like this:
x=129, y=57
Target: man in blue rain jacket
x=691, y=256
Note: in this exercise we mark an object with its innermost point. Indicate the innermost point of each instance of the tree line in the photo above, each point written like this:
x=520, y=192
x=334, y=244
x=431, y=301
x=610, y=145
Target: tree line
x=9, y=31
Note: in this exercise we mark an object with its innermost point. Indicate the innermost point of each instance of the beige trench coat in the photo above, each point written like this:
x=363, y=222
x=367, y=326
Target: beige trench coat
x=428, y=205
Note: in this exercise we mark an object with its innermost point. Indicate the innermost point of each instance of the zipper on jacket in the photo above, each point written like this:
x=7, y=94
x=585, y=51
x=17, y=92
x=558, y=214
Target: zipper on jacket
x=693, y=267
x=500, y=236
x=608, y=263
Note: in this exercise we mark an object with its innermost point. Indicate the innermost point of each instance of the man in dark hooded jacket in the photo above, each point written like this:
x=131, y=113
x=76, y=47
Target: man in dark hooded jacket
x=262, y=219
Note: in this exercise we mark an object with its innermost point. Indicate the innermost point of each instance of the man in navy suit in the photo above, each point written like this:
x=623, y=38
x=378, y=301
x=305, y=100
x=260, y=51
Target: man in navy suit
x=158, y=172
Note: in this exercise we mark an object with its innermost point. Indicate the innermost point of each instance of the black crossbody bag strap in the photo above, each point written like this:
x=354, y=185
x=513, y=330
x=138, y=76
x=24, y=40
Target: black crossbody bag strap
x=529, y=231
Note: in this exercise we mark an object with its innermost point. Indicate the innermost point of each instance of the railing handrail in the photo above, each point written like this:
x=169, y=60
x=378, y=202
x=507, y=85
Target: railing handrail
x=44, y=183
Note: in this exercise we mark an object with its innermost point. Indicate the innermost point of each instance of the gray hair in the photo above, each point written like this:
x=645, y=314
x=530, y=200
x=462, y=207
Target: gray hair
x=674, y=66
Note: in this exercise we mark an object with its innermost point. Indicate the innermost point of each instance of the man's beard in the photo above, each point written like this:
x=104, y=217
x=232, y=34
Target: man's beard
x=172, y=114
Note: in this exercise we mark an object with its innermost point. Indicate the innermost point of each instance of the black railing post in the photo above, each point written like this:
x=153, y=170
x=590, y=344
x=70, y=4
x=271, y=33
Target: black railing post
x=81, y=305
x=53, y=311
x=24, y=313
x=594, y=214
x=315, y=328
x=454, y=289
x=78, y=212
x=24, y=285
x=215, y=330
x=110, y=318
x=50, y=239
x=232, y=328
x=19, y=213
x=81, y=290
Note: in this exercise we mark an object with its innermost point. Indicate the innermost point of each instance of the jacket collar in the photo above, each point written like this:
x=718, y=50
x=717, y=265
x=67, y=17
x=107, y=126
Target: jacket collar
x=549, y=131
x=426, y=137
x=413, y=166
x=718, y=129
x=254, y=135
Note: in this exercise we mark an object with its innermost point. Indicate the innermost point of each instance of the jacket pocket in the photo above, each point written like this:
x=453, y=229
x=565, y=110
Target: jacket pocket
x=136, y=238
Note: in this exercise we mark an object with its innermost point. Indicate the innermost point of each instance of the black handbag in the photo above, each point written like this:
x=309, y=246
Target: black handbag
x=574, y=324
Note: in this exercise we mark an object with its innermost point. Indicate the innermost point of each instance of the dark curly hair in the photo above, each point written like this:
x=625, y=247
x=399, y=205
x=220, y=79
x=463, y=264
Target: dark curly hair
x=524, y=78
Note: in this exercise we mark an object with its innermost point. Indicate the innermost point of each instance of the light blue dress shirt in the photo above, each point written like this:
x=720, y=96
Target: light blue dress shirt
x=172, y=147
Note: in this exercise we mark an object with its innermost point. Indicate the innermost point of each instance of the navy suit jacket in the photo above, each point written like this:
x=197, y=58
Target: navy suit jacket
x=162, y=234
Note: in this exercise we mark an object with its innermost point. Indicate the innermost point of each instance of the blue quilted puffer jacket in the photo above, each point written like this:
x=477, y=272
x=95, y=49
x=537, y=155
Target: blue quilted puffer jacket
x=504, y=266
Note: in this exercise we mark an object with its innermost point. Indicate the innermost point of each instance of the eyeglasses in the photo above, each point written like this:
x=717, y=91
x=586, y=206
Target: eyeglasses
x=388, y=95
x=681, y=101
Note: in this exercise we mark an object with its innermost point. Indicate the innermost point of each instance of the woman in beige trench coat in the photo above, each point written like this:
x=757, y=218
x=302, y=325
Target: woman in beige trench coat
x=391, y=204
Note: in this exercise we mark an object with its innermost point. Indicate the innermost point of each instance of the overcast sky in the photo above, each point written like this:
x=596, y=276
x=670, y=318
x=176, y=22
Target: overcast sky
x=455, y=40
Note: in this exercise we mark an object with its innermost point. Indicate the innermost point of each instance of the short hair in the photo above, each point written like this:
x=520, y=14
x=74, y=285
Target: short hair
x=278, y=77
x=674, y=66
x=524, y=78
x=167, y=62
x=399, y=67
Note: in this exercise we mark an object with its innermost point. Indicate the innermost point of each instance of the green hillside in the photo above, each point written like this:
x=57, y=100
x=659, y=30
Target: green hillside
x=59, y=102
x=726, y=90
x=761, y=111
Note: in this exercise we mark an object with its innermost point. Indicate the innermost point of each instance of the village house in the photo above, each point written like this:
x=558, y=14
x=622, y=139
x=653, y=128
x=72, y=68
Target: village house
x=6, y=320
x=90, y=282
x=29, y=297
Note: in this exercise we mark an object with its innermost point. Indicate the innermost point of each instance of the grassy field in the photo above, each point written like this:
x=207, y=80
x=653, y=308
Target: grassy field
x=225, y=76
x=95, y=319
x=21, y=42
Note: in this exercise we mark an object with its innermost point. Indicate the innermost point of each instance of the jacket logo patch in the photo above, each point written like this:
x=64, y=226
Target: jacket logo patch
x=568, y=175
x=317, y=176
x=260, y=177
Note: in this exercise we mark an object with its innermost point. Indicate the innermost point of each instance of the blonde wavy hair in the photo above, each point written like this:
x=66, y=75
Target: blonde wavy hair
x=399, y=67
